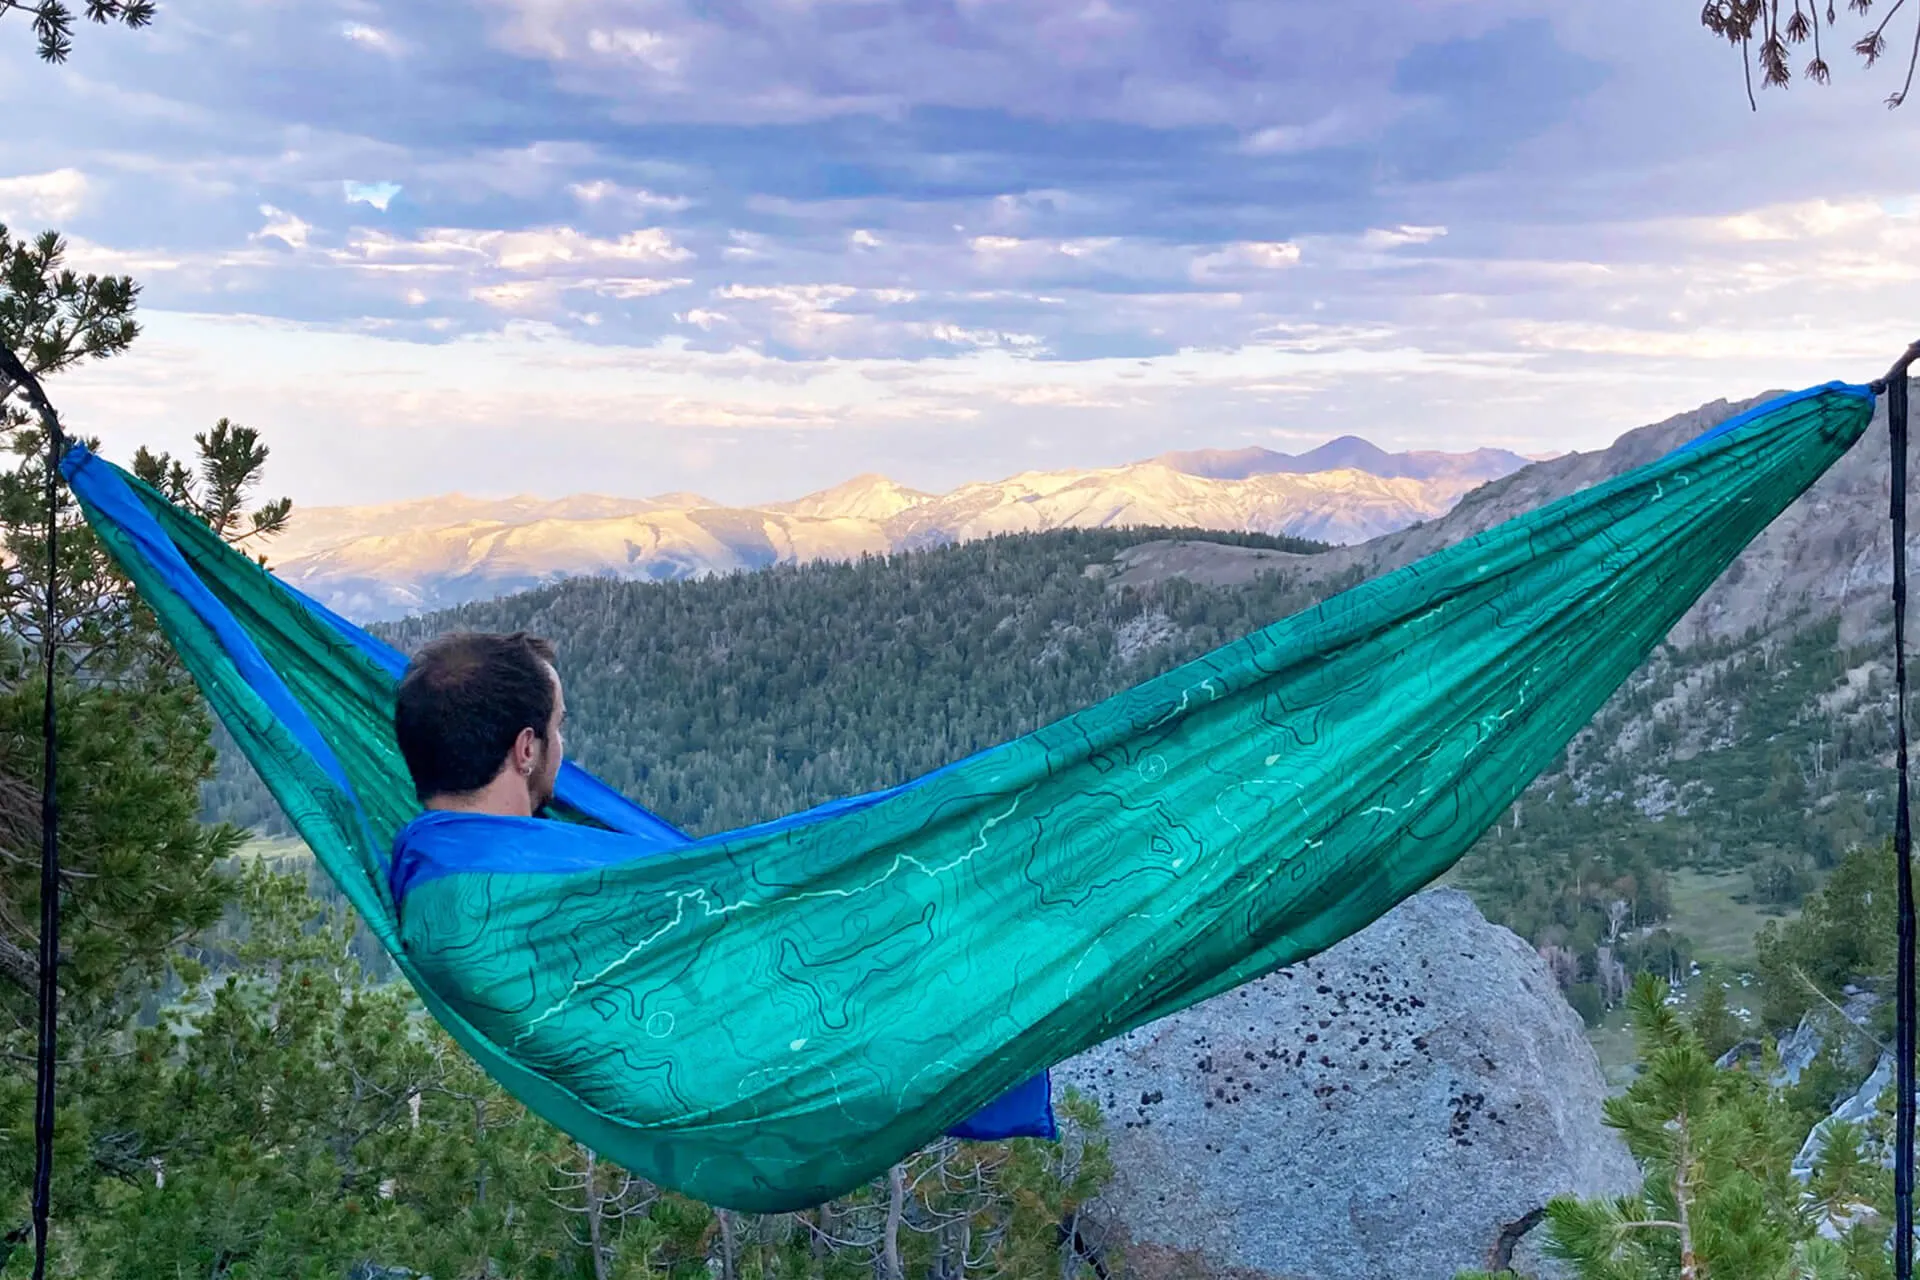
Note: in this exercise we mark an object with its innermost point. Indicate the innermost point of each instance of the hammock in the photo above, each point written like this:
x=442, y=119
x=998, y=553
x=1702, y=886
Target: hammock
x=770, y=1017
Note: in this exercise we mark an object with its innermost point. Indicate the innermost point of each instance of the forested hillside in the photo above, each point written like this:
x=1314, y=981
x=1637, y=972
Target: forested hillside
x=724, y=701
x=1753, y=767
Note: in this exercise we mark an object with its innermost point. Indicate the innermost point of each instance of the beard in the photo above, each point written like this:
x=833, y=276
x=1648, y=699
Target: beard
x=545, y=775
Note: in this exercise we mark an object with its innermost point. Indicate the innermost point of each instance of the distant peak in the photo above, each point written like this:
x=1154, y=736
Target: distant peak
x=1343, y=453
x=869, y=496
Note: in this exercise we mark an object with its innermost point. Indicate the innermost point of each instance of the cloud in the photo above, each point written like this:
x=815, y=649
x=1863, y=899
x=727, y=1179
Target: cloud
x=369, y=37
x=1396, y=237
x=54, y=196
x=1112, y=227
x=651, y=49
x=284, y=227
x=330, y=398
x=1802, y=221
x=1265, y=69
x=959, y=336
x=521, y=251
x=745, y=246
x=87, y=257
x=601, y=192
x=1335, y=128
x=377, y=194
x=804, y=315
x=1250, y=255
x=1269, y=254
x=517, y=295
x=1040, y=254
x=634, y=286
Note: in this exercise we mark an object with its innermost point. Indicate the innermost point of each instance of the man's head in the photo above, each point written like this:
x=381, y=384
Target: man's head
x=478, y=718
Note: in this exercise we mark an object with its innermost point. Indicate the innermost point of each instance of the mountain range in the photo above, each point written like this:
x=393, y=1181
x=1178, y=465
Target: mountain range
x=397, y=559
x=1348, y=453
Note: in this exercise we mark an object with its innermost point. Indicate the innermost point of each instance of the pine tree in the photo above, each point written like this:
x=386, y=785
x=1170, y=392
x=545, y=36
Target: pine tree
x=1719, y=1200
x=138, y=869
x=1844, y=935
x=1714, y=1022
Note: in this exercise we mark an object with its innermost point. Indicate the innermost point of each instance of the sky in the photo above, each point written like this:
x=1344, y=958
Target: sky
x=751, y=248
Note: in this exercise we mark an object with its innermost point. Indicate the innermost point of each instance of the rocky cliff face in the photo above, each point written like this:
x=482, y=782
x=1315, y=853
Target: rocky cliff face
x=1828, y=553
x=1385, y=1110
x=1696, y=722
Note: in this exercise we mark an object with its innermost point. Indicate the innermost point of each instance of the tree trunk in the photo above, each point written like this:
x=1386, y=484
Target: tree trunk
x=942, y=1268
x=890, y=1268
x=823, y=1227
x=1682, y=1199
x=729, y=1257
x=479, y=1145
x=956, y=1237
x=1076, y=1249
x=1500, y=1256
x=595, y=1208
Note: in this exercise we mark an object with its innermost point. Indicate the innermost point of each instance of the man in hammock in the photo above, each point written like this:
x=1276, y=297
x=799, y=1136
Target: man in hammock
x=479, y=718
x=479, y=721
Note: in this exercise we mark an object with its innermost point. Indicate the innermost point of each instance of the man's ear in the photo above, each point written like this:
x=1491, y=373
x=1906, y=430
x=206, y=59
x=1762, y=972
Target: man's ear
x=526, y=753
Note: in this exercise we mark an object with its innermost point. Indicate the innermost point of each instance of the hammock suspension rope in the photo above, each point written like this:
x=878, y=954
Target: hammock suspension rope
x=49, y=950
x=1894, y=386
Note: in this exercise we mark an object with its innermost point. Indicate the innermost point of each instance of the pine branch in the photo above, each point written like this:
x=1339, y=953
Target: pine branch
x=1913, y=60
x=1757, y=29
x=53, y=20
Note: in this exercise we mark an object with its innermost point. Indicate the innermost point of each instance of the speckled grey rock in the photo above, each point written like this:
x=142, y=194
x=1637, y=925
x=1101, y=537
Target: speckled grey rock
x=1381, y=1111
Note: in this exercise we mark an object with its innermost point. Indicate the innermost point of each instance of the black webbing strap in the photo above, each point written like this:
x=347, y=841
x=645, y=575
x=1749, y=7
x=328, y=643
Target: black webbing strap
x=47, y=1056
x=1902, y=847
x=49, y=875
x=1894, y=387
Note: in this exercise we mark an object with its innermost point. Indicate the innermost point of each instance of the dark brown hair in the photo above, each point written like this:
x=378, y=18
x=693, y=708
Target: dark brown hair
x=463, y=701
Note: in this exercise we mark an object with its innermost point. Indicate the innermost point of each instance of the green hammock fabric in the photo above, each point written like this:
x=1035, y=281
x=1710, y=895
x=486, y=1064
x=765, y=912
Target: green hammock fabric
x=768, y=1018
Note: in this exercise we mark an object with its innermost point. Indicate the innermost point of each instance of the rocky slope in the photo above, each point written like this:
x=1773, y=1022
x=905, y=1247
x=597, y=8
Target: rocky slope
x=1385, y=1111
x=1830, y=552
x=1742, y=690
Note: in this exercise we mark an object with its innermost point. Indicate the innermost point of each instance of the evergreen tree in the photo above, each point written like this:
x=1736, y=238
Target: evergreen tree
x=291, y=1116
x=1713, y=1021
x=1844, y=936
x=1720, y=1201
x=137, y=867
